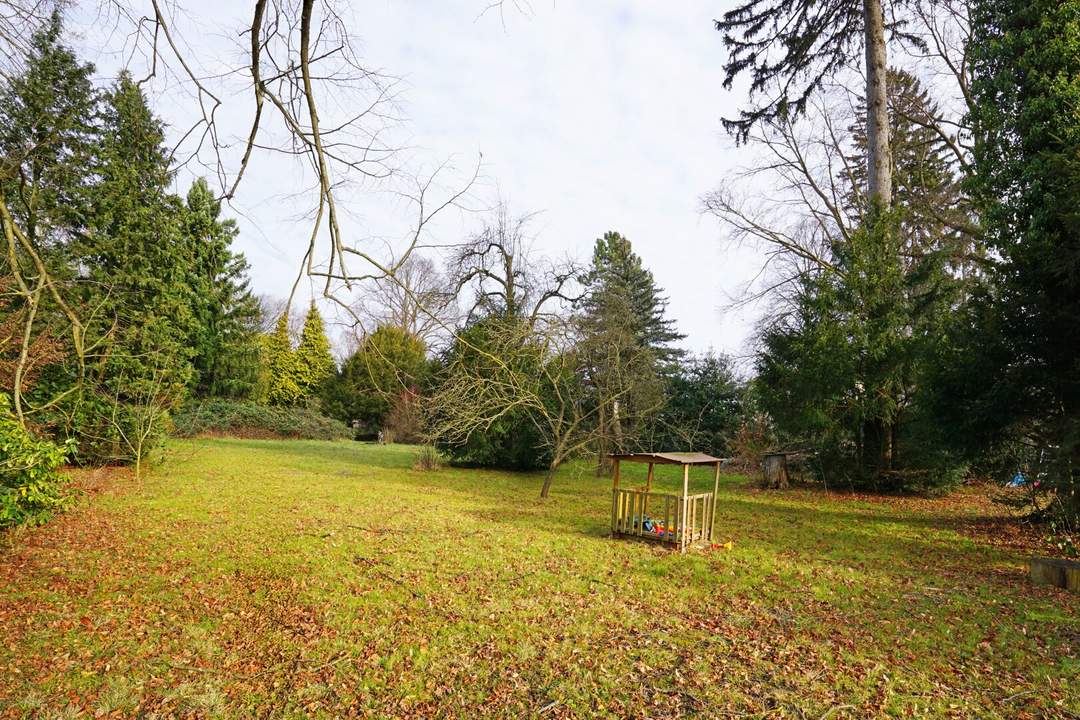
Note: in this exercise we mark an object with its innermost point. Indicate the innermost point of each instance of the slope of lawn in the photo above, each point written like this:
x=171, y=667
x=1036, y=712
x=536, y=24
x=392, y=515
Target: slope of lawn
x=253, y=578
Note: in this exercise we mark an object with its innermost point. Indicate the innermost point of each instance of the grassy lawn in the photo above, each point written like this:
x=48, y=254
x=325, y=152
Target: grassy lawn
x=295, y=579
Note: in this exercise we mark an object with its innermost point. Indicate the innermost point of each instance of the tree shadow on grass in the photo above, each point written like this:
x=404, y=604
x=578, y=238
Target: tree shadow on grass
x=309, y=454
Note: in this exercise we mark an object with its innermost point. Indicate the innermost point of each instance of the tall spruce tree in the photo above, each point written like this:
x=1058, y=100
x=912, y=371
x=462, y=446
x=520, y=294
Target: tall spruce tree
x=141, y=271
x=618, y=273
x=935, y=215
x=48, y=132
x=843, y=365
x=627, y=340
x=792, y=48
x=227, y=315
x=47, y=140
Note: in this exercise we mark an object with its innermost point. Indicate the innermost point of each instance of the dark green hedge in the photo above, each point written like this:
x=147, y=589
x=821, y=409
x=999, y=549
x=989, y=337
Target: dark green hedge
x=241, y=418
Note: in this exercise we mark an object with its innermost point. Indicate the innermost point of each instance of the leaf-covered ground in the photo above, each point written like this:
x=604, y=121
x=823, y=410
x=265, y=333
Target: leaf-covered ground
x=250, y=578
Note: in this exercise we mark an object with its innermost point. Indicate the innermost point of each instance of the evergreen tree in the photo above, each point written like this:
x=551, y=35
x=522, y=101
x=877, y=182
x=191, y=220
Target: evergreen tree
x=1012, y=383
x=227, y=315
x=314, y=363
x=48, y=132
x=617, y=277
x=834, y=369
x=626, y=343
x=141, y=271
x=47, y=140
x=843, y=364
x=935, y=215
x=791, y=49
x=281, y=385
x=388, y=363
x=704, y=406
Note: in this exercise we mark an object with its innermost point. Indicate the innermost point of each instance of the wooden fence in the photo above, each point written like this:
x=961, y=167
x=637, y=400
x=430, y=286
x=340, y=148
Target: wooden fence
x=681, y=520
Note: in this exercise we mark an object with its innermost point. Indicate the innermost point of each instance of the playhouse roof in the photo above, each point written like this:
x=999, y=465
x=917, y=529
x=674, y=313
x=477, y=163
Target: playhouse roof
x=668, y=458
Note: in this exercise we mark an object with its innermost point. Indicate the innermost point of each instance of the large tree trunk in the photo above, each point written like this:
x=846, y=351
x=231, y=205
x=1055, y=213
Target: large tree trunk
x=879, y=155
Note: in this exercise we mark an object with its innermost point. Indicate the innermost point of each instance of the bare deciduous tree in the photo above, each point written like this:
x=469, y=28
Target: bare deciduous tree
x=540, y=373
x=419, y=300
x=498, y=265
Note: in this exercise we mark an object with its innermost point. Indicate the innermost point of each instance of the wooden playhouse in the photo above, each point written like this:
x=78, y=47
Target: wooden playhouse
x=680, y=520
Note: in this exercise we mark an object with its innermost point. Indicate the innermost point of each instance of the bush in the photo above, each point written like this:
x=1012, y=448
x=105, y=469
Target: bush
x=427, y=459
x=31, y=489
x=241, y=418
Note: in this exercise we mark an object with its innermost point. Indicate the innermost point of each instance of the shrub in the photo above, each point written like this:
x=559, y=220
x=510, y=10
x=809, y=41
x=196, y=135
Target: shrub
x=427, y=459
x=240, y=418
x=31, y=489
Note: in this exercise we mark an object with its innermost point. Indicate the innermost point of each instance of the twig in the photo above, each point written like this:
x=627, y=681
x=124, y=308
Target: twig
x=546, y=708
x=829, y=713
x=1016, y=695
x=387, y=576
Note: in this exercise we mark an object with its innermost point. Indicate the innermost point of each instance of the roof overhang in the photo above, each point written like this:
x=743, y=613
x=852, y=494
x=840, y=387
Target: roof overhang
x=668, y=458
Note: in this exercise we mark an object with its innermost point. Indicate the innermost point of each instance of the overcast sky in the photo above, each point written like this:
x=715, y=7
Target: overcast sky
x=599, y=115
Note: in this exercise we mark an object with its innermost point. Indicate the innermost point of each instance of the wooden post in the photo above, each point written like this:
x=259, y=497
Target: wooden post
x=648, y=487
x=1054, y=571
x=616, y=511
x=685, y=492
x=667, y=537
x=712, y=513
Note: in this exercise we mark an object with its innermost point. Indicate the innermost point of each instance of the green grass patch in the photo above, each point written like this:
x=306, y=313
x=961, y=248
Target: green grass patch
x=323, y=579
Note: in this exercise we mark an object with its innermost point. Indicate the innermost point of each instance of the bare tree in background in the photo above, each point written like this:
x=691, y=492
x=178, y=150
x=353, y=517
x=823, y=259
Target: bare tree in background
x=505, y=276
x=805, y=195
x=18, y=19
x=419, y=299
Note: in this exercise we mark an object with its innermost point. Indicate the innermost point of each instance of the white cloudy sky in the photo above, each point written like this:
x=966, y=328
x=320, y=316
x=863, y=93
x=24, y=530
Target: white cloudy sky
x=599, y=115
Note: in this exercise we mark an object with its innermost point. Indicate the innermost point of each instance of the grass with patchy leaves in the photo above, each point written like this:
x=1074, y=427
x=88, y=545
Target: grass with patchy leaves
x=316, y=579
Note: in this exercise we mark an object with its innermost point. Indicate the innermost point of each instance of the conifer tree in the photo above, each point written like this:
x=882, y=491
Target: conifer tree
x=618, y=277
x=227, y=315
x=47, y=137
x=314, y=363
x=1011, y=384
x=280, y=362
x=626, y=340
x=140, y=268
x=389, y=362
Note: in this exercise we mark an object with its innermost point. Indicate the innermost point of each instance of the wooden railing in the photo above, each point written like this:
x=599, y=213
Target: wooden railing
x=664, y=517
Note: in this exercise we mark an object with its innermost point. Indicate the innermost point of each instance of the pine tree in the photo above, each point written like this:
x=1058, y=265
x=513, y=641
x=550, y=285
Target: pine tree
x=626, y=340
x=389, y=362
x=227, y=319
x=314, y=363
x=47, y=137
x=791, y=49
x=48, y=132
x=935, y=215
